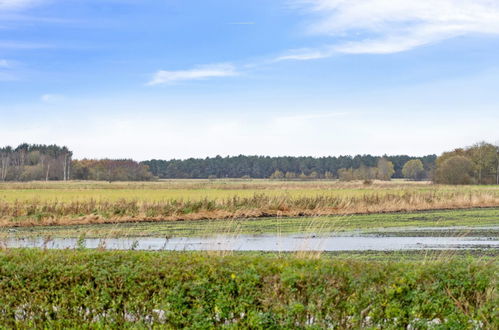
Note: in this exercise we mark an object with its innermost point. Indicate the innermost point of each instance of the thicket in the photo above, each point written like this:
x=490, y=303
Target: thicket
x=383, y=171
x=110, y=170
x=82, y=288
x=477, y=164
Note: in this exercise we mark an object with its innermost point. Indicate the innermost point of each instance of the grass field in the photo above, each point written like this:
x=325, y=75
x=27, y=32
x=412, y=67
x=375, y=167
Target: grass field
x=215, y=189
x=82, y=288
x=63, y=203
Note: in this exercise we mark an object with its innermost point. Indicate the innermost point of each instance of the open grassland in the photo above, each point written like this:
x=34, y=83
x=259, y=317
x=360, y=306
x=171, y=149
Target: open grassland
x=214, y=189
x=63, y=203
x=472, y=219
x=82, y=288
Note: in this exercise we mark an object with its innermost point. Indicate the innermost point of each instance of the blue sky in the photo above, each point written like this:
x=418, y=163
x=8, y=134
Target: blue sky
x=181, y=78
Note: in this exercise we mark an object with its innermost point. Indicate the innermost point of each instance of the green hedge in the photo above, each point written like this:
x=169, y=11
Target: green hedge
x=85, y=288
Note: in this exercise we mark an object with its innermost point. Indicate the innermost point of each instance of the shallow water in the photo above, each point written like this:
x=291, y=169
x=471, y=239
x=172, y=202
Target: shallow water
x=263, y=243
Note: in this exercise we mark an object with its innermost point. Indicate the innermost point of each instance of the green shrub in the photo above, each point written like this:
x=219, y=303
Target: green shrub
x=86, y=288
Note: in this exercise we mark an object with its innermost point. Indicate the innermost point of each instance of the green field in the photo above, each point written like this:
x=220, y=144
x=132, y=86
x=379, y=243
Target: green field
x=216, y=189
x=81, y=288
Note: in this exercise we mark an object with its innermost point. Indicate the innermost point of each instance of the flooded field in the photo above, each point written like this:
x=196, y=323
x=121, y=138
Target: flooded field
x=448, y=238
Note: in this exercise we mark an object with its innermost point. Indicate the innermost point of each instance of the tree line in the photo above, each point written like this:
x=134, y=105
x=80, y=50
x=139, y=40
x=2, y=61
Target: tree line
x=35, y=162
x=277, y=167
x=29, y=162
x=476, y=164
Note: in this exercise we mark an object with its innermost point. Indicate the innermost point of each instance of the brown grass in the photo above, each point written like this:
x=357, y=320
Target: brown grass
x=35, y=212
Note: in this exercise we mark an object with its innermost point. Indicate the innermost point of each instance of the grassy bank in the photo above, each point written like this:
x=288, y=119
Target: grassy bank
x=328, y=224
x=22, y=206
x=120, y=289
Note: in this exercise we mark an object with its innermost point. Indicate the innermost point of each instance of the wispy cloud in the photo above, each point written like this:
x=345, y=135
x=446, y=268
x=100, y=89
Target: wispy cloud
x=390, y=26
x=306, y=54
x=17, y=4
x=22, y=45
x=51, y=98
x=4, y=63
x=197, y=73
x=313, y=116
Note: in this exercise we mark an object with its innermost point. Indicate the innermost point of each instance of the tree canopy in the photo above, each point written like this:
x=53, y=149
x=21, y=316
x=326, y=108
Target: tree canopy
x=477, y=164
x=265, y=166
x=413, y=170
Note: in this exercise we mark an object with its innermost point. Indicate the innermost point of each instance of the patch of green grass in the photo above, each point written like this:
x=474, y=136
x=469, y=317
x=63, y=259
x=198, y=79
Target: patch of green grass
x=82, y=288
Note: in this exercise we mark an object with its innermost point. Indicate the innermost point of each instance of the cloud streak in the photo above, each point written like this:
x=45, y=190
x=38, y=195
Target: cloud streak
x=51, y=98
x=17, y=4
x=391, y=26
x=197, y=73
x=22, y=45
x=306, y=54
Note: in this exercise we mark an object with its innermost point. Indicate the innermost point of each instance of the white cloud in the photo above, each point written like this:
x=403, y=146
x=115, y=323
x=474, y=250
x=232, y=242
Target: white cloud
x=22, y=45
x=312, y=116
x=200, y=72
x=51, y=98
x=390, y=26
x=306, y=54
x=17, y=4
x=183, y=136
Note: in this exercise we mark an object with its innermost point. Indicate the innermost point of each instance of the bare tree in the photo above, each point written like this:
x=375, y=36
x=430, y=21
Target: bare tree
x=4, y=163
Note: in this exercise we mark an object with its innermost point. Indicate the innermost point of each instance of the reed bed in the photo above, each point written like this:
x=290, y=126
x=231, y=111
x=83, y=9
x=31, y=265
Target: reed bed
x=39, y=212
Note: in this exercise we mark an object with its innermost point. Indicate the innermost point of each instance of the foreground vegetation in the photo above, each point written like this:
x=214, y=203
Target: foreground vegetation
x=121, y=289
x=68, y=203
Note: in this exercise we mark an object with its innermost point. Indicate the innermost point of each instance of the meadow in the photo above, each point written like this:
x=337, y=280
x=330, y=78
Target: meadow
x=64, y=203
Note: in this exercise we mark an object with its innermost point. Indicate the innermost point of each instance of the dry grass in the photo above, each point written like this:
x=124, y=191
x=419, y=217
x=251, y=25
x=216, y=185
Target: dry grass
x=37, y=212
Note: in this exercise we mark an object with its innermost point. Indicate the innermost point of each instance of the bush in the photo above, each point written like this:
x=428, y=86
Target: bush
x=83, y=288
x=455, y=170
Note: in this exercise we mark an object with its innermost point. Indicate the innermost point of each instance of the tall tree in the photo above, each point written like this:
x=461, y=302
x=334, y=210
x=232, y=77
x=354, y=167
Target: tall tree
x=483, y=156
x=413, y=169
x=385, y=169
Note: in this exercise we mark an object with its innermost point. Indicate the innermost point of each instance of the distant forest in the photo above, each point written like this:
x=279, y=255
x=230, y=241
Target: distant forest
x=265, y=167
x=476, y=164
x=30, y=162
x=35, y=162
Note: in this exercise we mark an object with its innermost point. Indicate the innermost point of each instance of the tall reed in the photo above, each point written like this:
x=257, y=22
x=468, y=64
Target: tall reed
x=37, y=212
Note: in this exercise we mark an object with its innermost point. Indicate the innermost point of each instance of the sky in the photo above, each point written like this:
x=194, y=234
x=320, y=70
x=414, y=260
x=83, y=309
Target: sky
x=167, y=79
